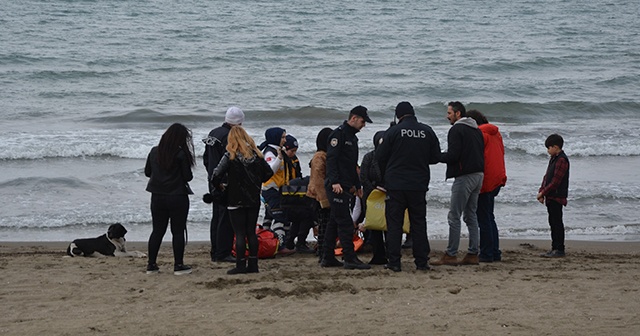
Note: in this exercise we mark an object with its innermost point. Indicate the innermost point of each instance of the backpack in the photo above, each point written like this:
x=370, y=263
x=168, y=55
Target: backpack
x=294, y=194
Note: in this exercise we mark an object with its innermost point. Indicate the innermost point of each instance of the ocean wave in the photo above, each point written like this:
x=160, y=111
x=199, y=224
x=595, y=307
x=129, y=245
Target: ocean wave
x=126, y=138
x=512, y=113
x=145, y=115
x=74, y=74
x=614, y=232
x=306, y=115
x=553, y=111
x=44, y=183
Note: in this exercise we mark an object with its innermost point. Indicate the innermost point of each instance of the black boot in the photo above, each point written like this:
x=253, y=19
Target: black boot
x=355, y=263
x=253, y=265
x=241, y=267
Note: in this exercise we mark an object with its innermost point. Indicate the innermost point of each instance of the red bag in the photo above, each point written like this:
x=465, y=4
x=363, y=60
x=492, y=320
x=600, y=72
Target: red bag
x=268, y=244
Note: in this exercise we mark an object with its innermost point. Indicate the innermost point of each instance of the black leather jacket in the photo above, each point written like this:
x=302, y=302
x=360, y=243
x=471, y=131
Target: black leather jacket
x=172, y=182
x=244, y=179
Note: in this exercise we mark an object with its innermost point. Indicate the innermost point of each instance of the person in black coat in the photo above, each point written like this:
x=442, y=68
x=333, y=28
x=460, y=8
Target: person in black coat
x=371, y=178
x=342, y=183
x=407, y=150
x=168, y=167
x=221, y=233
x=465, y=162
x=246, y=170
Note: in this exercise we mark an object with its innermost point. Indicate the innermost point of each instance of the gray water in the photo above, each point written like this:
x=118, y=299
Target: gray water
x=88, y=87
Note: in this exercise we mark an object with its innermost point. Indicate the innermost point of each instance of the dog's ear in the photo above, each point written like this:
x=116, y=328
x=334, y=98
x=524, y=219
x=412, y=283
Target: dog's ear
x=121, y=229
x=116, y=231
x=111, y=230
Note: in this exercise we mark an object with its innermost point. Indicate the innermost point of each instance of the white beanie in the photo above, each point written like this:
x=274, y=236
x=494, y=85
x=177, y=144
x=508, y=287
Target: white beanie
x=234, y=116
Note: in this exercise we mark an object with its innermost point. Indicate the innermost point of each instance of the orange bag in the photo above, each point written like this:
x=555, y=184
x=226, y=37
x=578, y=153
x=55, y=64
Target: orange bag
x=357, y=244
x=268, y=244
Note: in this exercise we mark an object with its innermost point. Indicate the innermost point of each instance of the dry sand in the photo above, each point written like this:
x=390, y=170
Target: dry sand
x=593, y=291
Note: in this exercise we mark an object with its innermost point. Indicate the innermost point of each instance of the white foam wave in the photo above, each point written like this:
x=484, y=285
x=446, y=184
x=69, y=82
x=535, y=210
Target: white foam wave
x=583, y=138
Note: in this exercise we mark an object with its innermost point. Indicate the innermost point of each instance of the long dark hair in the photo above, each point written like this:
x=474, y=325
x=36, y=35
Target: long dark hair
x=177, y=137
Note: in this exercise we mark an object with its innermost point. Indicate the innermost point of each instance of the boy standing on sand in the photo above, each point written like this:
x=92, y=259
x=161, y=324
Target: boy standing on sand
x=553, y=193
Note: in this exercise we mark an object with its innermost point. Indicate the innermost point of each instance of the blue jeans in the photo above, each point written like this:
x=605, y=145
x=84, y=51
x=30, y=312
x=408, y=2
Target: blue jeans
x=464, y=202
x=489, y=241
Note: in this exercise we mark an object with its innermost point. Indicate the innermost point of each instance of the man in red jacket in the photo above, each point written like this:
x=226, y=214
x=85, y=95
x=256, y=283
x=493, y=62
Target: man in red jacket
x=495, y=177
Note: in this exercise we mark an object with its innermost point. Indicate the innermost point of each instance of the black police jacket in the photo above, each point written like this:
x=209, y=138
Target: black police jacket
x=342, y=158
x=405, y=154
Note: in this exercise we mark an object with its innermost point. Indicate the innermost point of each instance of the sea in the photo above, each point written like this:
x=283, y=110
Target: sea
x=87, y=87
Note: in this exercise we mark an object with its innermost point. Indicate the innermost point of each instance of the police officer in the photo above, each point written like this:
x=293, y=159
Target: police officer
x=406, y=151
x=342, y=183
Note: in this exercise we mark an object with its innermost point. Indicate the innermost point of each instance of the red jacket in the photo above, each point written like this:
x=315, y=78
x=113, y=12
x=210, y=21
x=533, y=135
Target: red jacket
x=495, y=174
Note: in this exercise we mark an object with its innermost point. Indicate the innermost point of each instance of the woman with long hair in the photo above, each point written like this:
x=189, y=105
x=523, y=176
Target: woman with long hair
x=169, y=170
x=247, y=170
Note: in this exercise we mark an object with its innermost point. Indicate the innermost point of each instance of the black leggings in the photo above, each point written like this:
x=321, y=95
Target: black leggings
x=163, y=209
x=243, y=221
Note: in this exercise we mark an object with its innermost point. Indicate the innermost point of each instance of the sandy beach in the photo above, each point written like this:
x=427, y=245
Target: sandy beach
x=593, y=291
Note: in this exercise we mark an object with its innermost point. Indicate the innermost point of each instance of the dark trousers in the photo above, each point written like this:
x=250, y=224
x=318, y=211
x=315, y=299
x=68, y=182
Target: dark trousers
x=301, y=222
x=220, y=232
x=489, y=239
x=340, y=226
x=396, y=203
x=377, y=239
x=557, y=226
x=323, y=215
x=243, y=221
x=165, y=208
x=272, y=198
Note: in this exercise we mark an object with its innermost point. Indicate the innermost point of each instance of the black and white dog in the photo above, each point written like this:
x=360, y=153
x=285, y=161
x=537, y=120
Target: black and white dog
x=110, y=244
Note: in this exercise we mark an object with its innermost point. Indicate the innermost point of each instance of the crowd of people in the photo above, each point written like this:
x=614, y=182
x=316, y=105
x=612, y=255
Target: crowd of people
x=243, y=176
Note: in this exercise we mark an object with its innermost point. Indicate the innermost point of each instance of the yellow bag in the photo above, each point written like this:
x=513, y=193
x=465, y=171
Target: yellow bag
x=374, y=218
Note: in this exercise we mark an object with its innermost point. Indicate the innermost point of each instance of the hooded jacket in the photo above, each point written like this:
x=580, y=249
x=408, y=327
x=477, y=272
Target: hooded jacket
x=244, y=178
x=495, y=173
x=404, y=156
x=281, y=170
x=465, y=152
